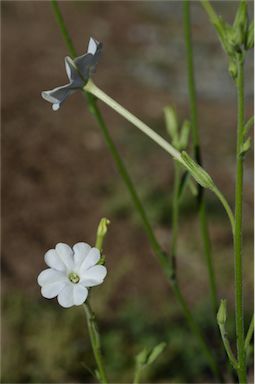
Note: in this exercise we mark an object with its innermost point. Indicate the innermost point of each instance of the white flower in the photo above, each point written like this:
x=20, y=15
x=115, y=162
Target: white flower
x=78, y=72
x=71, y=272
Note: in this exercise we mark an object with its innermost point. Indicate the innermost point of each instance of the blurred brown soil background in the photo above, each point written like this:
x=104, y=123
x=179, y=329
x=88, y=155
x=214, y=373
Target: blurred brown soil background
x=58, y=178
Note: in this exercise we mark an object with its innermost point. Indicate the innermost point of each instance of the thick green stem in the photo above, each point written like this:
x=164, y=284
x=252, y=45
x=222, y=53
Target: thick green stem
x=95, y=342
x=239, y=227
x=201, y=205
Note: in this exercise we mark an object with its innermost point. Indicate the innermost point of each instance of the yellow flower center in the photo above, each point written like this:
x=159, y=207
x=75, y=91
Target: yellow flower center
x=73, y=277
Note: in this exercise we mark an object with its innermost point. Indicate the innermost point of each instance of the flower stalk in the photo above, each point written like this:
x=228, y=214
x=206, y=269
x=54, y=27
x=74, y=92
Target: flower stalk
x=95, y=342
x=97, y=92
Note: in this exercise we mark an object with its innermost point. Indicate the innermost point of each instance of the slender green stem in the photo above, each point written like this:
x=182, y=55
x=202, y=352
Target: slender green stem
x=227, y=346
x=201, y=205
x=175, y=215
x=208, y=253
x=62, y=26
x=95, y=341
x=249, y=334
x=225, y=204
x=92, y=88
x=239, y=228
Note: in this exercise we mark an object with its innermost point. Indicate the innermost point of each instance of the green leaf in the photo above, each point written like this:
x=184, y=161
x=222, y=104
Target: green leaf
x=249, y=40
x=245, y=147
x=248, y=125
x=142, y=357
x=148, y=356
x=156, y=352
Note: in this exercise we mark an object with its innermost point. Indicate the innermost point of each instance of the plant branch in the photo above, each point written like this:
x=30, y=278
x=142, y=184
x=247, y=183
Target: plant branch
x=249, y=334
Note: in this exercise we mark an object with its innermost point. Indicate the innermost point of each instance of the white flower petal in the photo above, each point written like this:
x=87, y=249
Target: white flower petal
x=92, y=258
x=81, y=251
x=53, y=260
x=66, y=297
x=52, y=290
x=80, y=294
x=92, y=47
x=93, y=276
x=66, y=254
x=49, y=276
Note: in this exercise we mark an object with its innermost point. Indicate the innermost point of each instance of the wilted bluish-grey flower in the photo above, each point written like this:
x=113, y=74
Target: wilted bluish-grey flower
x=78, y=72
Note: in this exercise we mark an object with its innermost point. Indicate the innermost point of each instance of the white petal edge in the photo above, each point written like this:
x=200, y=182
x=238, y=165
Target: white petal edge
x=52, y=290
x=80, y=294
x=65, y=297
x=92, y=46
x=49, y=276
x=55, y=106
x=92, y=258
x=81, y=251
x=53, y=260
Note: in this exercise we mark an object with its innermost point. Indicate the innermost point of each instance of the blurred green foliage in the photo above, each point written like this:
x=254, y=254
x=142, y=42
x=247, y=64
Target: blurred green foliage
x=45, y=343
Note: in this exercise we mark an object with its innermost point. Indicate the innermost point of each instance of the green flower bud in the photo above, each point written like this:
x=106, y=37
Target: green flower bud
x=102, y=227
x=249, y=41
x=171, y=123
x=184, y=135
x=222, y=312
x=199, y=174
x=240, y=24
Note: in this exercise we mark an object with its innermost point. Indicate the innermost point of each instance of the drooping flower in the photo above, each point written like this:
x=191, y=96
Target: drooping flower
x=78, y=72
x=71, y=273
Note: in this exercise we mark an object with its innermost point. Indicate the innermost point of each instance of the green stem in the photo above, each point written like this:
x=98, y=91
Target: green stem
x=238, y=227
x=249, y=334
x=175, y=215
x=227, y=346
x=197, y=155
x=94, y=90
x=137, y=376
x=62, y=26
x=225, y=204
x=95, y=342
